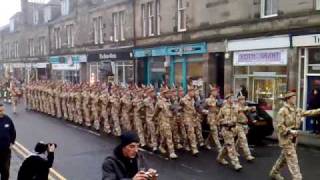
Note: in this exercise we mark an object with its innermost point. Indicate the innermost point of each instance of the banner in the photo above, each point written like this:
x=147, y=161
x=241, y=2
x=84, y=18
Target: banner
x=261, y=58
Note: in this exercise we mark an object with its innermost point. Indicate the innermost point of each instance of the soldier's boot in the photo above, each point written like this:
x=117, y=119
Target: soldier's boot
x=162, y=150
x=237, y=167
x=275, y=176
x=187, y=148
x=222, y=161
x=208, y=147
x=250, y=158
x=179, y=146
x=173, y=156
x=195, y=152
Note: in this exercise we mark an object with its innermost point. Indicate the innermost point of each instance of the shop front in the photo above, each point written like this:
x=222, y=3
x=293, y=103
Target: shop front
x=308, y=47
x=261, y=66
x=67, y=68
x=177, y=65
x=108, y=66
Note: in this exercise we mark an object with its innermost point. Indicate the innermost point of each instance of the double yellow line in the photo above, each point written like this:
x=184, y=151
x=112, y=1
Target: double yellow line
x=24, y=153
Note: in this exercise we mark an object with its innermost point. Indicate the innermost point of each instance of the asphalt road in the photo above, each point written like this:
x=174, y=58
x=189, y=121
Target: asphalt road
x=81, y=152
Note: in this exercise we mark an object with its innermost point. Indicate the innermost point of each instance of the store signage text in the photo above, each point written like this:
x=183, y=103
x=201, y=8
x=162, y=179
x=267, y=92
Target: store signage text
x=267, y=57
x=306, y=40
x=107, y=56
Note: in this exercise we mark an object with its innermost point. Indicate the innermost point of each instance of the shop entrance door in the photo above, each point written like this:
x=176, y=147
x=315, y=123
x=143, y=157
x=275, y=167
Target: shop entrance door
x=238, y=82
x=178, y=72
x=313, y=83
x=263, y=92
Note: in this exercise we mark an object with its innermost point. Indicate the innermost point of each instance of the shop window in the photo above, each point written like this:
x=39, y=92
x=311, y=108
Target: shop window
x=276, y=70
x=157, y=71
x=178, y=74
x=238, y=70
x=269, y=8
x=195, y=74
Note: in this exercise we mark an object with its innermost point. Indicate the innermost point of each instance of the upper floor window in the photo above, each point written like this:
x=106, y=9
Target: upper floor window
x=98, y=30
x=47, y=14
x=42, y=46
x=57, y=38
x=158, y=17
x=65, y=7
x=12, y=28
x=151, y=22
x=144, y=20
x=317, y=4
x=150, y=18
x=269, y=8
x=122, y=24
x=31, y=47
x=70, y=35
x=35, y=17
x=16, y=49
x=118, y=20
x=182, y=26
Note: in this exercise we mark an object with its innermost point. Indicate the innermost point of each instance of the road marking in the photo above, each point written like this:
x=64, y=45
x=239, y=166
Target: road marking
x=24, y=152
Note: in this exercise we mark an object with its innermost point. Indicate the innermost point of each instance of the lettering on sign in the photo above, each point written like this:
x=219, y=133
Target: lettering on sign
x=107, y=56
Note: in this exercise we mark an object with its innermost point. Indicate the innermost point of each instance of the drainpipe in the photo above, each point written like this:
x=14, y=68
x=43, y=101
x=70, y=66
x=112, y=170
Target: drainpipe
x=135, y=64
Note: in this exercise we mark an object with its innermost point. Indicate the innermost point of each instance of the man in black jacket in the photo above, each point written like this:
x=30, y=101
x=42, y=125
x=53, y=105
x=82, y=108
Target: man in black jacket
x=36, y=167
x=7, y=139
x=126, y=163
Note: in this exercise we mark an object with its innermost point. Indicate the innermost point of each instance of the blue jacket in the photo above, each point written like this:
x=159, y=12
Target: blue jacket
x=7, y=132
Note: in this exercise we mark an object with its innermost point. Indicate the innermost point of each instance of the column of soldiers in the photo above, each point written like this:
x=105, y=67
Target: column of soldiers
x=166, y=122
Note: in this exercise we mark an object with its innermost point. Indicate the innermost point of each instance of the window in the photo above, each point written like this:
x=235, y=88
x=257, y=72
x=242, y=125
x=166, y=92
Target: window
x=317, y=4
x=144, y=20
x=11, y=25
x=16, y=49
x=7, y=50
x=47, y=14
x=42, y=44
x=98, y=30
x=35, y=17
x=115, y=26
x=158, y=16
x=122, y=23
x=151, y=22
x=65, y=7
x=70, y=35
x=181, y=16
x=57, y=38
x=269, y=8
x=31, y=47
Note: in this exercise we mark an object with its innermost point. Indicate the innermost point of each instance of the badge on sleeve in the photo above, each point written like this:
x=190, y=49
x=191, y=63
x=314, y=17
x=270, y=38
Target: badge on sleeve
x=6, y=125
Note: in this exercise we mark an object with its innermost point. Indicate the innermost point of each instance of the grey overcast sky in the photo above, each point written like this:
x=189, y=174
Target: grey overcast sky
x=9, y=7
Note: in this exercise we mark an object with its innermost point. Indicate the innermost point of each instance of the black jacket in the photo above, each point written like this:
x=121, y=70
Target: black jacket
x=114, y=168
x=36, y=168
x=7, y=132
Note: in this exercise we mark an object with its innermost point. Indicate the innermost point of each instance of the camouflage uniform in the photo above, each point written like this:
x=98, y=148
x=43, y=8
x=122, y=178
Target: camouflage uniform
x=190, y=114
x=241, y=129
x=104, y=99
x=78, y=111
x=150, y=124
x=86, y=107
x=115, y=110
x=14, y=98
x=125, y=111
x=57, y=102
x=213, y=122
x=95, y=110
x=227, y=120
x=137, y=120
x=162, y=110
x=289, y=119
x=51, y=100
x=175, y=122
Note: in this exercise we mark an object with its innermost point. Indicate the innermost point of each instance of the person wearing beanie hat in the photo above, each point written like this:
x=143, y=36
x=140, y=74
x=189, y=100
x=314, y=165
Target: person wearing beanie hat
x=126, y=161
x=289, y=120
x=37, y=167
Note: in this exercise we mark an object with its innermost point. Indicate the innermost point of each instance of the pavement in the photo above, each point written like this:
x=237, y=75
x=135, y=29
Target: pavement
x=16, y=162
x=81, y=152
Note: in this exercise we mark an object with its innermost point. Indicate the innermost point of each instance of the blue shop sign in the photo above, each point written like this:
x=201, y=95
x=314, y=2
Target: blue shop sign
x=184, y=49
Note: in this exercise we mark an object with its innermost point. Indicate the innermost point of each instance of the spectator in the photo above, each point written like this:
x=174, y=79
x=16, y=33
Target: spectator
x=126, y=162
x=314, y=103
x=36, y=167
x=7, y=139
x=243, y=92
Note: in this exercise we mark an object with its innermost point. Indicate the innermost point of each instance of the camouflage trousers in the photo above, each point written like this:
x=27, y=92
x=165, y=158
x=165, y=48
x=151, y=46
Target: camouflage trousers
x=151, y=132
x=116, y=123
x=52, y=109
x=87, y=118
x=288, y=157
x=198, y=131
x=96, y=118
x=189, y=125
x=14, y=102
x=58, y=108
x=242, y=141
x=125, y=121
x=105, y=119
x=175, y=132
x=70, y=111
x=78, y=114
x=137, y=121
x=166, y=139
x=214, y=135
x=228, y=147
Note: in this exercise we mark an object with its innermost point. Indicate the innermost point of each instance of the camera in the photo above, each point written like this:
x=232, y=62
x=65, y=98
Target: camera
x=42, y=147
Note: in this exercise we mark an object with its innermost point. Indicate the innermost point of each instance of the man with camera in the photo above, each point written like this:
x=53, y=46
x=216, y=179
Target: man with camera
x=126, y=163
x=7, y=139
x=36, y=167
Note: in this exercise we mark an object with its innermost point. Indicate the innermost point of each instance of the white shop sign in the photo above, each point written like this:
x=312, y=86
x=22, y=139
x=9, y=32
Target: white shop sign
x=262, y=58
x=306, y=40
x=65, y=67
x=272, y=42
x=41, y=65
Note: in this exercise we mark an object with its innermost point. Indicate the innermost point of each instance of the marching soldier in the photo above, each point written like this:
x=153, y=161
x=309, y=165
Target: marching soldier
x=57, y=96
x=95, y=109
x=242, y=126
x=199, y=117
x=51, y=100
x=164, y=114
x=289, y=120
x=115, y=111
x=137, y=103
x=190, y=114
x=86, y=106
x=175, y=107
x=149, y=103
x=104, y=99
x=212, y=120
x=14, y=96
x=125, y=111
x=227, y=120
x=78, y=111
